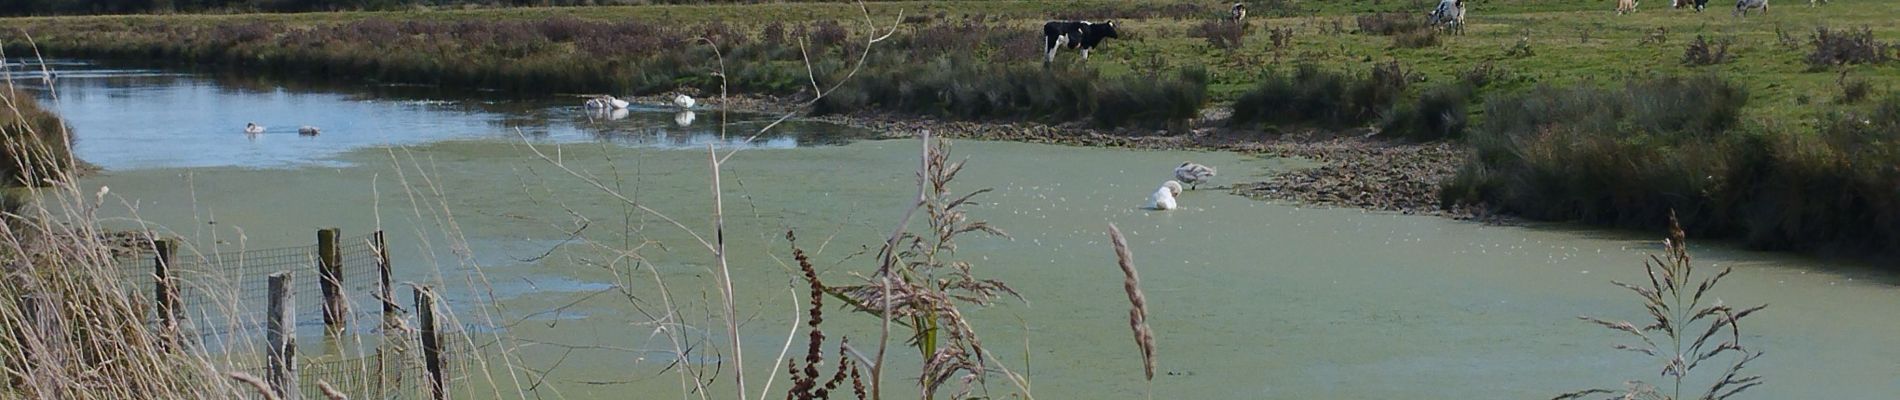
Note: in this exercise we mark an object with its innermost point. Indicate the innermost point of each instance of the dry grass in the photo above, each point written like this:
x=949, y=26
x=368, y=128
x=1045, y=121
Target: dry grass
x=1138, y=302
x=1683, y=331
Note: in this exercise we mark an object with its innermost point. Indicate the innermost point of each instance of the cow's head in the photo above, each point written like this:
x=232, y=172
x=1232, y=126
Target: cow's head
x=1104, y=29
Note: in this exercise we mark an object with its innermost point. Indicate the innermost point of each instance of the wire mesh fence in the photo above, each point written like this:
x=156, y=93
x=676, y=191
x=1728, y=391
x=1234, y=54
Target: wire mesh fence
x=395, y=369
x=219, y=293
x=220, y=305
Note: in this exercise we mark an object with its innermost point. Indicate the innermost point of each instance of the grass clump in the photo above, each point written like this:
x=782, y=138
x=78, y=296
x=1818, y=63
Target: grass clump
x=1388, y=24
x=1221, y=34
x=1415, y=39
x=1706, y=52
x=34, y=144
x=1324, y=98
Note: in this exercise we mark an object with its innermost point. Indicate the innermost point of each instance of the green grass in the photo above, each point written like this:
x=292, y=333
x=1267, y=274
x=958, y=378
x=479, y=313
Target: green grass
x=1774, y=74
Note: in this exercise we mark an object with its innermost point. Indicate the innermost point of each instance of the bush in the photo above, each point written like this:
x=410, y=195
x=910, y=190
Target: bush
x=1846, y=46
x=1221, y=34
x=1323, y=98
x=1388, y=24
x=1437, y=114
x=1854, y=90
x=1705, y=52
x=948, y=88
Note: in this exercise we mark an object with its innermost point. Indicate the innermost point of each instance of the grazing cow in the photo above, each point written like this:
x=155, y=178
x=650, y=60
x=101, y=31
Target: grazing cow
x=1742, y=7
x=1811, y=3
x=1625, y=6
x=1449, y=14
x=1082, y=35
x=1698, y=4
x=1239, y=13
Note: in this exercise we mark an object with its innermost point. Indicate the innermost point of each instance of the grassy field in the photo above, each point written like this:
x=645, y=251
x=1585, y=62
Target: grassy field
x=1567, y=41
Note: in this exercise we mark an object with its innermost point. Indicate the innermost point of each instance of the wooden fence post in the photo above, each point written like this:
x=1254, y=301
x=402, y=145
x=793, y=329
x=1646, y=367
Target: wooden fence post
x=165, y=288
x=388, y=291
x=280, y=333
x=330, y=273
x=431, y=342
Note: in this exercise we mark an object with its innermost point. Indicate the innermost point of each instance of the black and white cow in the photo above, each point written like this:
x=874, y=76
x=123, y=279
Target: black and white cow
x=1238, y=13
x=1082, y=35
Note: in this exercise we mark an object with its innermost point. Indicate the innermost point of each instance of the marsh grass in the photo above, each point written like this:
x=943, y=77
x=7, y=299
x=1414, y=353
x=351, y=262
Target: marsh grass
x=1628, y=155
x=1687, y=329
x=1315, y=96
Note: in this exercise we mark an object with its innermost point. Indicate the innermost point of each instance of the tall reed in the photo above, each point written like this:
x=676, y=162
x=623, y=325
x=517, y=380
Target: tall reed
x=1683, y=332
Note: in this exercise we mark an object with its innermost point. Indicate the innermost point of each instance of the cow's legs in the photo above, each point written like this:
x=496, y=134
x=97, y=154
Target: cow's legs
x=1085, y=54
x=1050, y=44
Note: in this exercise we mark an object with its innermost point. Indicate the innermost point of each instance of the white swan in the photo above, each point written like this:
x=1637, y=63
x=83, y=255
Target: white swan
x=684, y=118
x=308, y=130
x=252, y=128
x=606, y=102
x=683, y=101
x=1193, y=174
x=1163, y=198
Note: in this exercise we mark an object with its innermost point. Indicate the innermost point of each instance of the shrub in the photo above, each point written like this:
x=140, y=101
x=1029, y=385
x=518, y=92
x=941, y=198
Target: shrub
x=1387, y=24
x=1483, y=74
x=1324, y=98
x=1854, y=90
x=1622, y=156
x=1281, y=37
x=1705, y=52
x=1437, y=114
x=1846, y=46
x=985, y=91
x=1220, y=33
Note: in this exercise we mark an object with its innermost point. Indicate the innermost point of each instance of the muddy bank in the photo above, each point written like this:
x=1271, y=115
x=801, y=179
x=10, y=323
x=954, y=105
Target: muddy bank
x=1356, y=168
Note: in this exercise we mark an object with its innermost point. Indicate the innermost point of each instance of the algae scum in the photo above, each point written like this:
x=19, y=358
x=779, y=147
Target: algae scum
x=1248, y=299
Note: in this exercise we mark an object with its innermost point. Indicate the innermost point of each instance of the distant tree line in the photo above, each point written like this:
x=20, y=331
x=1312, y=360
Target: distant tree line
x=14, y=8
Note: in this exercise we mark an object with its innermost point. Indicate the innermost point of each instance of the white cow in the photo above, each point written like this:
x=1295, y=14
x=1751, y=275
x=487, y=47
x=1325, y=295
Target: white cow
x=1449, y=14
x=1742, y=7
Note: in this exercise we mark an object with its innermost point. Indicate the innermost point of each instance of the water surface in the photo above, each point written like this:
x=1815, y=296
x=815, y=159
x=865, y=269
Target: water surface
x=1249, y=299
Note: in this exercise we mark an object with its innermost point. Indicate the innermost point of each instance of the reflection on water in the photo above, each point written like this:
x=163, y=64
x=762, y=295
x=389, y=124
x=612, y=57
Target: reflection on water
x=137, y=118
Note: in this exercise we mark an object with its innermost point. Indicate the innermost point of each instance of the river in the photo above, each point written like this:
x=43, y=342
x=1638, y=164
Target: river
x=1248, y=299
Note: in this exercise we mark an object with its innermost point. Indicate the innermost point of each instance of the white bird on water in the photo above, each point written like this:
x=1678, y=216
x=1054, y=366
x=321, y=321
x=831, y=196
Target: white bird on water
x=1163, y=198
x=683, y=101
x=252, y=128
x=1193, y=174
x=308, y=130
x=606, y=102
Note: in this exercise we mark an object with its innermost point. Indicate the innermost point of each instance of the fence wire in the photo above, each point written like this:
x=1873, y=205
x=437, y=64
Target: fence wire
x=219, y=293
x=222, y=301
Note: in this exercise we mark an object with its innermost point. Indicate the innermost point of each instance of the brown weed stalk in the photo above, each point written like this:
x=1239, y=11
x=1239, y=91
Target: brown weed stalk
x=921, y=288
x=1683, y=332
x=805, y=385
x=1138, y=302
